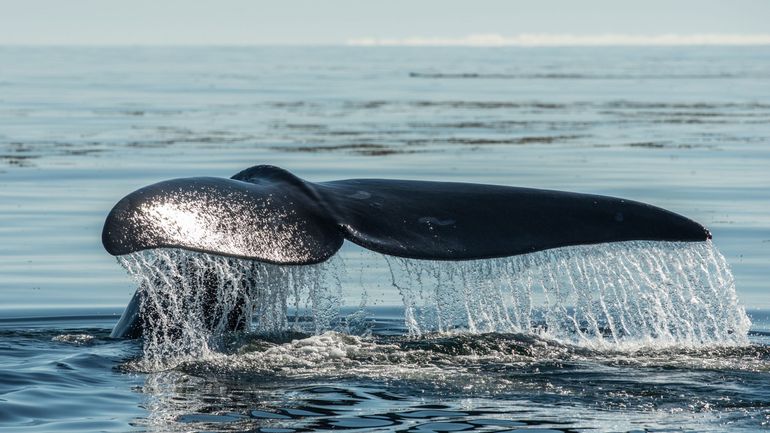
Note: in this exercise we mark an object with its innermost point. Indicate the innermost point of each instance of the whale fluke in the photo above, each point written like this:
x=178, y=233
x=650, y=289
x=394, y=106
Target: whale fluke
x=267, y=214
x=271, y=220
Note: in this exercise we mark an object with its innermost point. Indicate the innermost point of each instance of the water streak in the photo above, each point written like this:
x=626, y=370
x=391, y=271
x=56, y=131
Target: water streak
x=192, y=299
x=610, y=295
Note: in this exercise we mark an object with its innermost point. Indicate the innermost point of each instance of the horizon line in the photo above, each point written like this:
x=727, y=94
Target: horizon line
x=568, y=40
x=489, y=40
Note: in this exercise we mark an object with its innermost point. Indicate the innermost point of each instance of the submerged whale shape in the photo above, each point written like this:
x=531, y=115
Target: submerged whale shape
x=267, y=214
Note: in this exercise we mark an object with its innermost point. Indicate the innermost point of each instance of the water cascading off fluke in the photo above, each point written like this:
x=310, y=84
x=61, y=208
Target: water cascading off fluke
x=209, y=253
x=609, y=295
x=619, y=296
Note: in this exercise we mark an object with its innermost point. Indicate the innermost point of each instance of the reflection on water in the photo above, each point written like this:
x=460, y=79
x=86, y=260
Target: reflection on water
x=68, y=379
x=324, y=407
x=507, y=382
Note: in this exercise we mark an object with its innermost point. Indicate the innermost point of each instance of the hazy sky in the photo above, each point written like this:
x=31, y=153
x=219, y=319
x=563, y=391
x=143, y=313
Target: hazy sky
x=339, y=21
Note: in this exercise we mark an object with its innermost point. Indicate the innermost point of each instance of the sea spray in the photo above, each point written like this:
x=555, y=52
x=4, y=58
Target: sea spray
x=616, y=296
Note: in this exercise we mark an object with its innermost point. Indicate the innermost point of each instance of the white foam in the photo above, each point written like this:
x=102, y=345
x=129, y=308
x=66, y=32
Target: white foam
x=76, y=339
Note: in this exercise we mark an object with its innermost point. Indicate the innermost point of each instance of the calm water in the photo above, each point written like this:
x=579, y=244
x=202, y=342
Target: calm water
x=687, y=129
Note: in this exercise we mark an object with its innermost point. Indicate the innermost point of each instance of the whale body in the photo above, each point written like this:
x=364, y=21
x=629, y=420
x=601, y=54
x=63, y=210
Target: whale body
x=267, y=214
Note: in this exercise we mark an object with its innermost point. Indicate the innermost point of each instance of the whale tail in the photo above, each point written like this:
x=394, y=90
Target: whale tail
x=269, y=215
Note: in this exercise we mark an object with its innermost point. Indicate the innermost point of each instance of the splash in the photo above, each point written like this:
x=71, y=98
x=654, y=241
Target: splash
x=611, y=296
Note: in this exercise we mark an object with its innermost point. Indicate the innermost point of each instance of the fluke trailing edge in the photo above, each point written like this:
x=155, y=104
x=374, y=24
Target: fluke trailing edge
x=266, y=213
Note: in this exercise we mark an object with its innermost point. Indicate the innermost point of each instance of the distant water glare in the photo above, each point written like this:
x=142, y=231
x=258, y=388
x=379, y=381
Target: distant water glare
x=611, y=296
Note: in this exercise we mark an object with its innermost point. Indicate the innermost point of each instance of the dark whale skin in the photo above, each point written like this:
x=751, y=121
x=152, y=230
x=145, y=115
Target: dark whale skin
x=266, y=213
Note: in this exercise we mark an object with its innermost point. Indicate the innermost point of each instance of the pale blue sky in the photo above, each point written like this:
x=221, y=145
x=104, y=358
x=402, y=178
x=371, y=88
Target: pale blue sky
x=173, y=22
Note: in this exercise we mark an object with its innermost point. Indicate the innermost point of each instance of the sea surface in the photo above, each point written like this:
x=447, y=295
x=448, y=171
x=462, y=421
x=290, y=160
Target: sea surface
x=577, y=340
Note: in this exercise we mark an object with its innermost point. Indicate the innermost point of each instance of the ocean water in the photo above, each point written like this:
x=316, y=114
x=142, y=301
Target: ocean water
x=628, y=337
